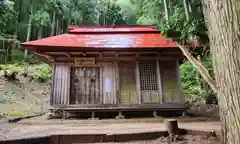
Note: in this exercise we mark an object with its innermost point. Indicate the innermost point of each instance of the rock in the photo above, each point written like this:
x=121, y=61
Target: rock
x=14, y=119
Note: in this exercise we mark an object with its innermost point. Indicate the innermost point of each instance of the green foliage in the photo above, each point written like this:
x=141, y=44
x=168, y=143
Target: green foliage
x=195, y=88
x=41, y=19
x=128, y=10
x=14, y=113
x=181, y=30
x=43, y=73
x=112, y=14
x=7, y=16
x=10, y=69
x=149, y=11
x=192, y=89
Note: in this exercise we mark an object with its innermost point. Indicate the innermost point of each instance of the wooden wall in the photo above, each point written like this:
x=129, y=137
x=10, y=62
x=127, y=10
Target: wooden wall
x=171, y=86
x=128, y=86
x=109, y=82
x=125, y=82
x=61, y=84
x=149, y=81
x=85, y=86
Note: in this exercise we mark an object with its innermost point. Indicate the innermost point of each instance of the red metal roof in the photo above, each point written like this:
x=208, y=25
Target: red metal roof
x=106, y=37
x=113, y=29
x=105, y=41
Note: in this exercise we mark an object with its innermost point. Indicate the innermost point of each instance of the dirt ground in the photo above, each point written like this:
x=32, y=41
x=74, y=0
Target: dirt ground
x=27, y=98
x=34, y=98
x=40, y=127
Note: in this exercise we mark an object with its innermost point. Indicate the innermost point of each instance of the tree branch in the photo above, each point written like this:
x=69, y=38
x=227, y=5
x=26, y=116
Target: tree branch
x=200, y=68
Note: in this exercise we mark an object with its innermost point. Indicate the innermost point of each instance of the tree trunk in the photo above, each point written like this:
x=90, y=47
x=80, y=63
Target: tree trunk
x=57, y=27
x=186, y=6
x=53, y=24
x=190, y=6
x=223, y=20
x=40, y=32
x=29, y=31
x=166, y=9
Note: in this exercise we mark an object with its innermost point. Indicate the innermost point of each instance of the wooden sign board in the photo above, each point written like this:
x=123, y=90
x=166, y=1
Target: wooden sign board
x=84, y=61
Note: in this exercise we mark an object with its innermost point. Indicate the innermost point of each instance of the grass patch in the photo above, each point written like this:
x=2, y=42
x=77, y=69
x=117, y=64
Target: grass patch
x=39, y=72
x=15, y=113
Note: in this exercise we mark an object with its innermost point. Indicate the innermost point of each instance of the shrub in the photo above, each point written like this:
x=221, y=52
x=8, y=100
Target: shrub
x=10, y=71
x=195, y=88
x=43, y=73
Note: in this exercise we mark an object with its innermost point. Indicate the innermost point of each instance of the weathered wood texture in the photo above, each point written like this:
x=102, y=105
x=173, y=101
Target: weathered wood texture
x=138, y=85
x=61, y=84
x=160, y=91
x=123, y=107
x=118, y=82
x=170, y=81
x=223, y=19
x=109, y=82
x=85, y=86
x=52, y=88
x=172, y=126
x=128, y=93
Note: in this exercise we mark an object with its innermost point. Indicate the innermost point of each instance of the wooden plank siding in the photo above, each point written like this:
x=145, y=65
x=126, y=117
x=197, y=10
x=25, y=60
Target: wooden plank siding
x=109, y=82
x=181, y=93
x=128, y=87
x=61, y=84
x=170, y=81
x=115, y=83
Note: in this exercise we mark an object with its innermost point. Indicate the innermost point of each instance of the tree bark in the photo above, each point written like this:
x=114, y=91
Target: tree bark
x=170, y=7
x=40, y=32
x=29, y=31
x=171, y=126
x=53, y=24
x=223, y=20
x=166, y=9
x=190, y=7
x=186, y=8
x=57, y=27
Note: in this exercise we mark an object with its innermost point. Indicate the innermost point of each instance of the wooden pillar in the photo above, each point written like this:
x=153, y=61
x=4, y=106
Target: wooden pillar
x=101, y=84
x=160, y=91
x=138, y=83
x=117, y=83
x=68, y=95
x=53, y=77
x=120, y=115
x=65, y=115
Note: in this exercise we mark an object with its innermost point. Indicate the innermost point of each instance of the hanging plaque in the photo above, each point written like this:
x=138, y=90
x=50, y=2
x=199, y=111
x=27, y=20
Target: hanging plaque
x=84, y=61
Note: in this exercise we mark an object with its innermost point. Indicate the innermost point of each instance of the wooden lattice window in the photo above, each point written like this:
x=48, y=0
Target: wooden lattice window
x=148, y=75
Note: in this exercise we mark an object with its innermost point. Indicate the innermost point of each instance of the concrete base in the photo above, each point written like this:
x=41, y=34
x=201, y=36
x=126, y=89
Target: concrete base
x=120, y=116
